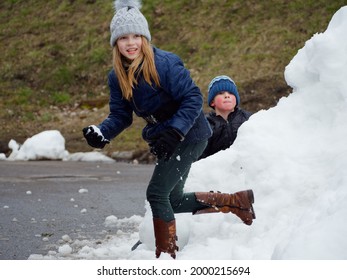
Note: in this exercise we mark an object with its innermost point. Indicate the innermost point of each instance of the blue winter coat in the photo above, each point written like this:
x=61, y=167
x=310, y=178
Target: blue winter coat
x=177, y=102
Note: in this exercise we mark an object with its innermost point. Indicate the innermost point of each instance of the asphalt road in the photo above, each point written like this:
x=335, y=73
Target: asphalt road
x=50, y=199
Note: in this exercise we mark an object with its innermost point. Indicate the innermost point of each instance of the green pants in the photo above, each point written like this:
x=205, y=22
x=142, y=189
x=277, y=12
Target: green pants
x=165, y=190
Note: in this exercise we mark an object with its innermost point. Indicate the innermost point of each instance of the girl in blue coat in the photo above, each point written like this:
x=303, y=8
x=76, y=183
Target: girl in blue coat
x=155, y=85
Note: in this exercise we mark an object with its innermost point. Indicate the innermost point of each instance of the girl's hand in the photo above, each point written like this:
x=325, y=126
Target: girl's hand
x=94, y=137
x=165, y=144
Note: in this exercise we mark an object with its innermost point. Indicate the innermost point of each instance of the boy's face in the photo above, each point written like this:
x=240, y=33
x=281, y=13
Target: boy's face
x=224, y=101
x=130, y=45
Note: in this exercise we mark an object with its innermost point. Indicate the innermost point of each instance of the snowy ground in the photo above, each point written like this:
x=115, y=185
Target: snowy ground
x=293, y=156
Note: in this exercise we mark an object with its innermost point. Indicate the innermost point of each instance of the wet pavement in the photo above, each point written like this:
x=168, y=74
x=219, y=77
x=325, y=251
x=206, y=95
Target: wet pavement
x=41, y=201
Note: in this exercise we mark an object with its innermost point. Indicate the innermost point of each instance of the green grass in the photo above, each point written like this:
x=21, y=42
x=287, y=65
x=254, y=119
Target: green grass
x=57, y=53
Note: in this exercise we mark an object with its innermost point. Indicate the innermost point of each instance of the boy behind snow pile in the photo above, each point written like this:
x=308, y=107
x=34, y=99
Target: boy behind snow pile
x=227, y=116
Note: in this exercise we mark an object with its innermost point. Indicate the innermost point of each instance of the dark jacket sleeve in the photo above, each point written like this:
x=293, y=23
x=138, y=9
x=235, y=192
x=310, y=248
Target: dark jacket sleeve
x=121, y=113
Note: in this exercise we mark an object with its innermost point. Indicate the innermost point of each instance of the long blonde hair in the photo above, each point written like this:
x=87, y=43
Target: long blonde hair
x=143, y=64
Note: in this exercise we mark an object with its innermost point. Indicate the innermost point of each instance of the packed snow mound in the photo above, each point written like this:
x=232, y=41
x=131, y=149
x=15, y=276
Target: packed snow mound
x=294, y=157
x=48, y=144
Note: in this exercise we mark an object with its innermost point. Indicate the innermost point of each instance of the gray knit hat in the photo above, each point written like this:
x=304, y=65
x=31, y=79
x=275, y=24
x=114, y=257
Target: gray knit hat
x=128, y=19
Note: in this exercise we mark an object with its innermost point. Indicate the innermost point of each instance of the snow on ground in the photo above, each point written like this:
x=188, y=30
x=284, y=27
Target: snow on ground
x=48, y=145
x=293, y=156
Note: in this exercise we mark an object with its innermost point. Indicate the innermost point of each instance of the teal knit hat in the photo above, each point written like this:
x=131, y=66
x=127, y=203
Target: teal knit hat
x=222, y=83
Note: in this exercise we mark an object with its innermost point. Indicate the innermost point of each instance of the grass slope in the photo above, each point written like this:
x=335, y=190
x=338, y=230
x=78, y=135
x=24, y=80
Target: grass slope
x=55, y=56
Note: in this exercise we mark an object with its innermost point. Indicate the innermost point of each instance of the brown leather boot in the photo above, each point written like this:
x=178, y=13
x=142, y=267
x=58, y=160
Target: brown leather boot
x=165, y=237
x=239, y=203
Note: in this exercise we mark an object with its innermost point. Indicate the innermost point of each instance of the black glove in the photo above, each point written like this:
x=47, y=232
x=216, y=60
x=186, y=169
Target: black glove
x=94, y=137
x=165, y=144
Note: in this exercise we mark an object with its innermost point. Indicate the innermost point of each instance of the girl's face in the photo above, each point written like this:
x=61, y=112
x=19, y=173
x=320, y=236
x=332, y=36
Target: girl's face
x=130, y=45
x=224, y=101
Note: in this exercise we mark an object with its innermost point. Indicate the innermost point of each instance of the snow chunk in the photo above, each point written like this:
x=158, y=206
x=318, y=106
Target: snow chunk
x=83, y=191
x=111, y=221
x=66, y=238
x=65, y=250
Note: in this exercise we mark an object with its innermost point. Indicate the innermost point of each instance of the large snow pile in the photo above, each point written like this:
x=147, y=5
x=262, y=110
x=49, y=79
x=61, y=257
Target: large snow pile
x=294, y=157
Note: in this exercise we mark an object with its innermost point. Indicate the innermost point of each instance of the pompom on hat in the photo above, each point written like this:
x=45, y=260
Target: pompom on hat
x=128, y=19
x=222, y=83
